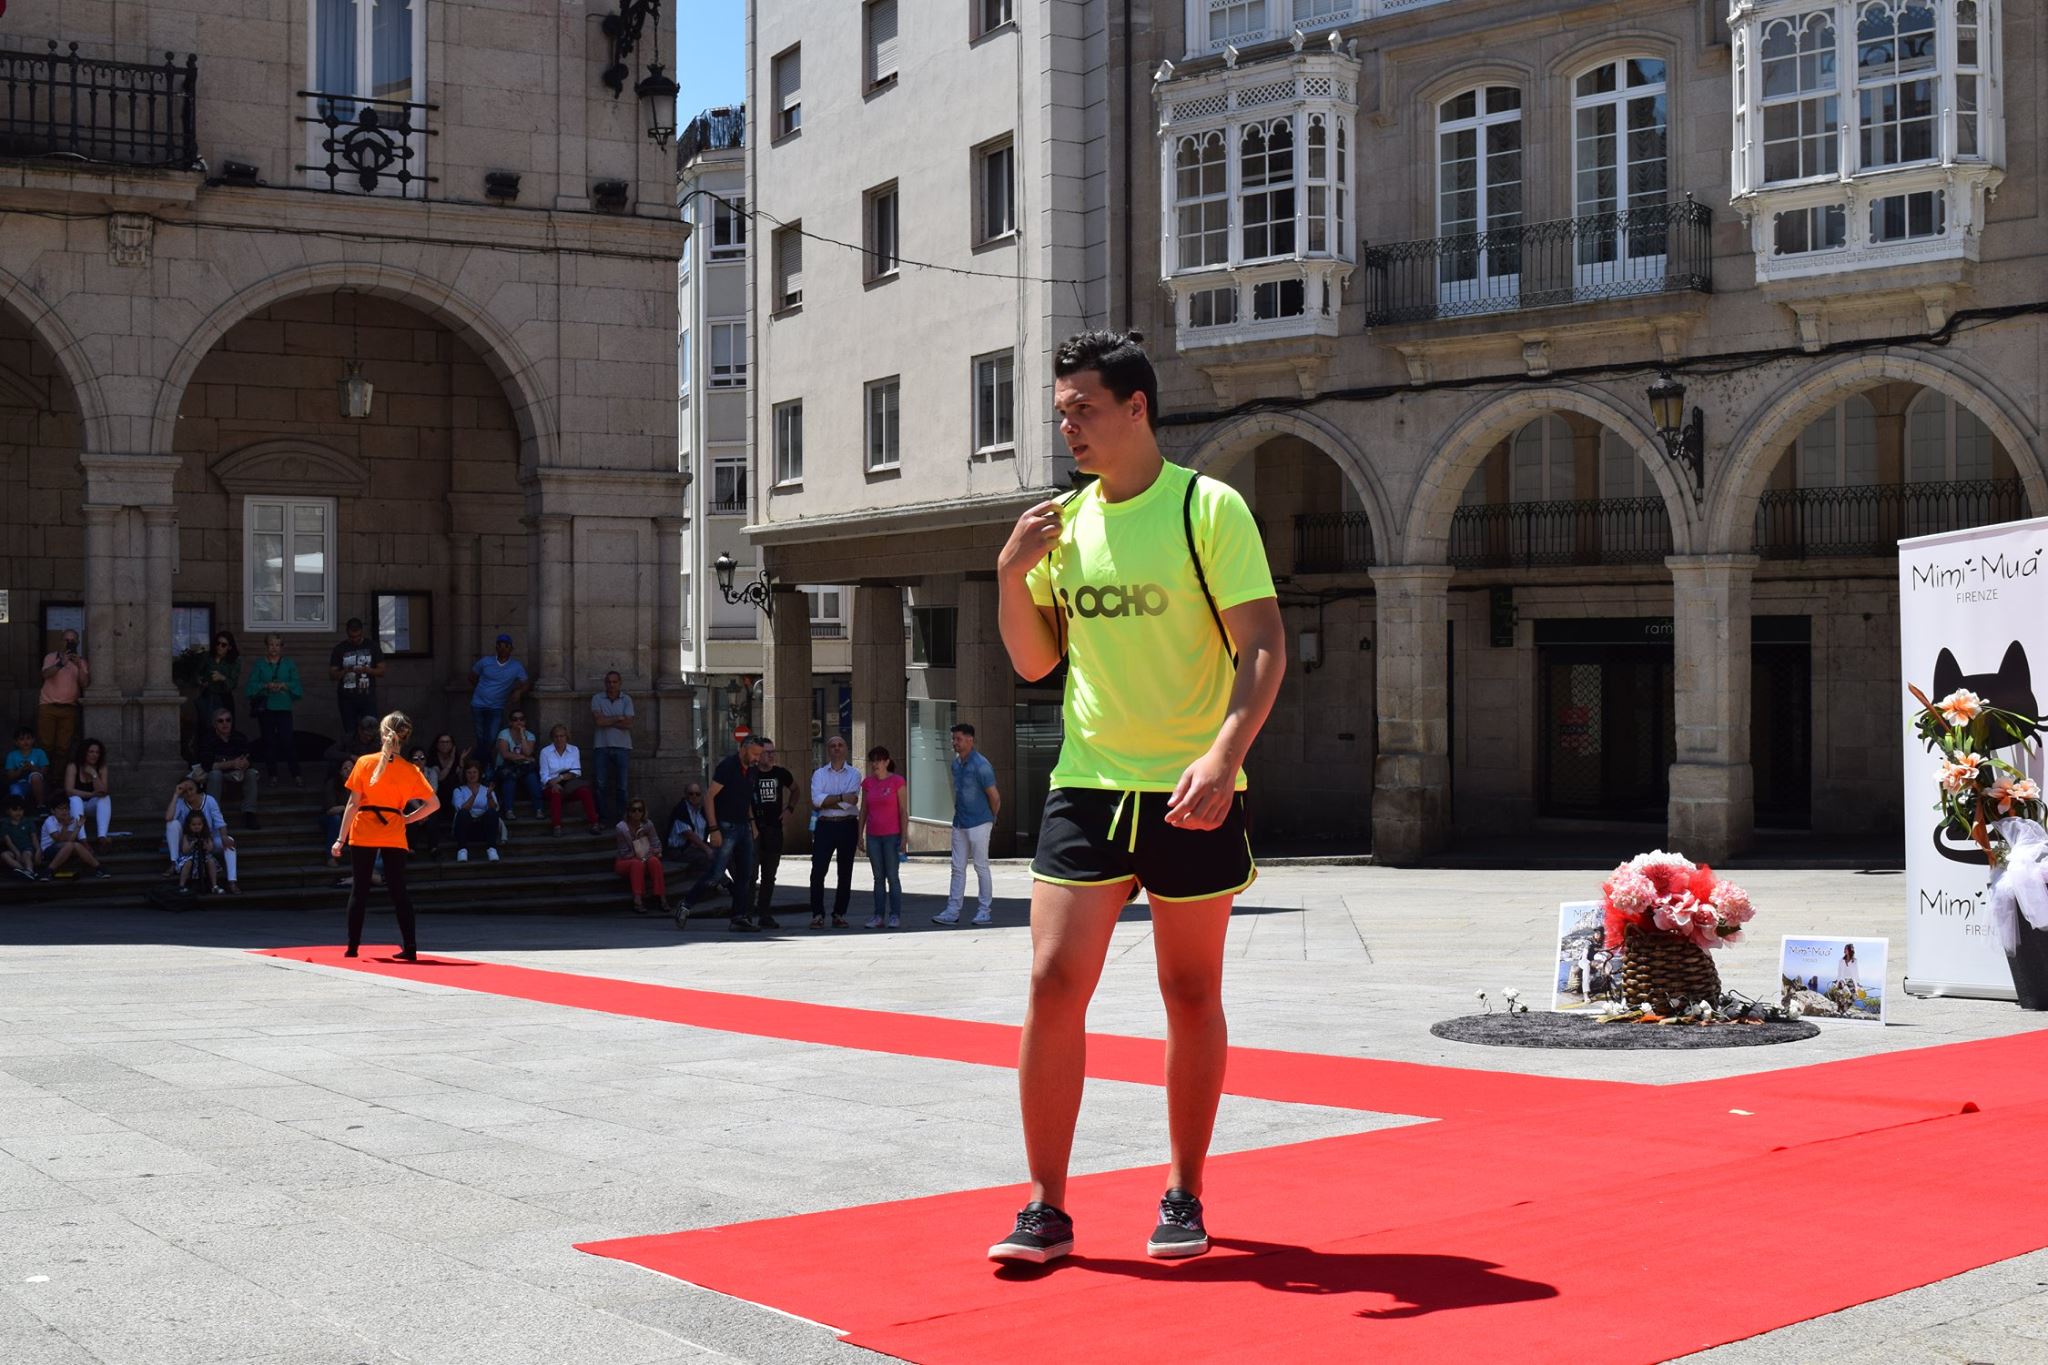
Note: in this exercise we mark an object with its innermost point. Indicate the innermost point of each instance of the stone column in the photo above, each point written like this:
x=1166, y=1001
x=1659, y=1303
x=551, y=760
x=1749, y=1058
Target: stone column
x=988, y=698
x=1713, y=810
x=1411, y=807
x=554, y=619
x=879, y=715
x=787, y=688
x=668, y=625
x=667, y=748
x=161, y=530
x=103, y=643
x=465, y=550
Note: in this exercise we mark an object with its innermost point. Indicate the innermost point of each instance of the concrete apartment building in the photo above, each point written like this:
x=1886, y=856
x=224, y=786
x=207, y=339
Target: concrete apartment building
x=899, y=413
x=1421, y=264
x=200, y=261
x=724, y=643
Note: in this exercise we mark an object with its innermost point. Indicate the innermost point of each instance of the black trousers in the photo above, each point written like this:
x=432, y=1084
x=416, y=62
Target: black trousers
x=364, y=862
x=833, y=838
x=767, y=858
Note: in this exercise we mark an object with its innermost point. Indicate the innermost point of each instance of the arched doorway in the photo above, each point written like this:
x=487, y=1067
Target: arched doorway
x=1322, y=525
x=42, y=522
x=296, y=517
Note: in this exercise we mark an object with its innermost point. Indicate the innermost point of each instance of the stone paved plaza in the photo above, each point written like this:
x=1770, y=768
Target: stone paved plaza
x=213, y=1158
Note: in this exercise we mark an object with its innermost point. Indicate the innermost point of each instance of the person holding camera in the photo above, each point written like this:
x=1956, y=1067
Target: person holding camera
x=66, y=675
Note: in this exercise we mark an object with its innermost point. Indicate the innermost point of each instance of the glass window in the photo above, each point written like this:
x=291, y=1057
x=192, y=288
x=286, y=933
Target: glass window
x=880, y=19
x=728, y=355
x=992, y=14
x=789, y=442
x=789, y=92
x=1622, y=472
x=191, y=624
x=789, y=266
x=729, y=485
x=1821, y=228
x=1234, y=20
x=995, y=402
x=931, y=750
x=1541, y=463
x=1266, y=189
x=1619, y=116
x=404, y=622
x=728, y=230
x=1201, y=202
x=288, y=563
x=1801, y=100
x=365, y=48
x=1945, y=441
x=995, y=174
x=1903, y=217
x=882, y=231
x=1479, y=191
x=1278, y=299
x=884, y=422
x=827, y=611
x=1897, y=84
x=1212, y=308
x=1839, y=449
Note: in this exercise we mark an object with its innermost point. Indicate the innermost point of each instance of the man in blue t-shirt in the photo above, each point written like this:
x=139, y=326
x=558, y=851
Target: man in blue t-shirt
x=976, y=803
x=498, y=680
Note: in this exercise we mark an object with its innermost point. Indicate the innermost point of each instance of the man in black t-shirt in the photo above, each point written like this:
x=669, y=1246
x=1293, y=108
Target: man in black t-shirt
x=773, y=801
x=355, y=665
x=732, y=804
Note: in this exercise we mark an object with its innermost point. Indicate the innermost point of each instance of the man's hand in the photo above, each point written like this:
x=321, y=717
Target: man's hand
x=1031, y=539
x=1201, y=799
x=715, y=838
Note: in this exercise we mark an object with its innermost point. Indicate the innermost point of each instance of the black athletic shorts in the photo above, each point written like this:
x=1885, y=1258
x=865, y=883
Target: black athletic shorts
x=1091, y=837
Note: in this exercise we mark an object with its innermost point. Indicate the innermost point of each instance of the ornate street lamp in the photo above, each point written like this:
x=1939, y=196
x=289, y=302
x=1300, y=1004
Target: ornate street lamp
x=658, y=92
x=1685, y=442
x=356, y=391
x=760, y=592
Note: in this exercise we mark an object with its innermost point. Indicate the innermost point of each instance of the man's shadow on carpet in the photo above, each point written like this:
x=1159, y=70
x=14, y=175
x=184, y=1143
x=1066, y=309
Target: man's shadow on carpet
x=1418, y=1284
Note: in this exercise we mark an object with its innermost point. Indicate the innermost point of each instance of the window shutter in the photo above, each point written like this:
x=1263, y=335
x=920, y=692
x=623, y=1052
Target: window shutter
x=881, y=40
x=788, y=79
x=791, y=264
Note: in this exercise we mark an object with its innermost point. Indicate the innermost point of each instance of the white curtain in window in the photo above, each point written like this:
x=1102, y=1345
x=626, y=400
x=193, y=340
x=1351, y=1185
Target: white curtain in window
x=1540, y=463
x=391, y=49
x=334, y=46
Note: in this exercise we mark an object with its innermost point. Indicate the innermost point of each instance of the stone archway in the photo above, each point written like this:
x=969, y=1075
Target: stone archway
x=50, y=331
x=1426, y=525
x=1238, y=437
x=533, y=407
x=1733, y=494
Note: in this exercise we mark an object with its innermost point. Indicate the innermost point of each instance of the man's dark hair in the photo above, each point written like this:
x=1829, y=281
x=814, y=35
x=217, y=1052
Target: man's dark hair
x=763, y=740
x=1119, y=359
x=963, y=728
x=353, y=623
x=24, y=730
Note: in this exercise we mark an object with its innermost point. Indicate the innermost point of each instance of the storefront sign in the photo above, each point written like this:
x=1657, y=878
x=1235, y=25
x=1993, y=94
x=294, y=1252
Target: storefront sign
x=1973, y=613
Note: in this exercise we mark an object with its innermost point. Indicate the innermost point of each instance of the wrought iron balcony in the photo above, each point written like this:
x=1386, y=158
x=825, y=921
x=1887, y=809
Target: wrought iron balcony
x=59, y=106
x=1332, y=542
x=828, y=630
x=729, y=507
x=1666, y=248
x=368, y=146
x=714, y=130
x=1527, y=535
x=1871, y=519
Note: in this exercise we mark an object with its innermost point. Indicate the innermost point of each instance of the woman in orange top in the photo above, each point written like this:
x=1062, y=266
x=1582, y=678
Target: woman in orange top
x=380, y=786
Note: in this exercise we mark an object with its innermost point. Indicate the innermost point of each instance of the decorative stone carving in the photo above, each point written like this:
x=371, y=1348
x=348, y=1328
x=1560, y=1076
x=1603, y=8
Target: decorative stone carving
x=298, y=466
x=128, y=238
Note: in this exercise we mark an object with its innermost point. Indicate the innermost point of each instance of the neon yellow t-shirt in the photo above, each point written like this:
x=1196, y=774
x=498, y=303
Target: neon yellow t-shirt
x=1148, y=681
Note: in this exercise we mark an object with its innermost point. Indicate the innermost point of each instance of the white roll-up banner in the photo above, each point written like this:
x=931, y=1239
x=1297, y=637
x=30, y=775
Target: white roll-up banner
x=1973, y=613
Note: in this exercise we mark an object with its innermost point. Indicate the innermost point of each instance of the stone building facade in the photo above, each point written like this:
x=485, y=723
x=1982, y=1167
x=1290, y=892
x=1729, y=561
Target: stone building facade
x=462, y=213
x=1419, y=266
x=900, y=412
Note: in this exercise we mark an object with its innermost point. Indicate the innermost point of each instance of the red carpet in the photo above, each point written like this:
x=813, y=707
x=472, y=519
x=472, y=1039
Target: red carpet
x=1296, y=1077
x=1544, y=1220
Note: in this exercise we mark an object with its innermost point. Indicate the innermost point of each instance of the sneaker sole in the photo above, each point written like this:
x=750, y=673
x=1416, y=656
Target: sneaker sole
x=1010, y=1251
x=1173, y=1251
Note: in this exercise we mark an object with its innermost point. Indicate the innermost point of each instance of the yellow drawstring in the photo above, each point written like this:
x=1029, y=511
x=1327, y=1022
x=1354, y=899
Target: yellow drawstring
x=1117, y=817
x=1119, y=813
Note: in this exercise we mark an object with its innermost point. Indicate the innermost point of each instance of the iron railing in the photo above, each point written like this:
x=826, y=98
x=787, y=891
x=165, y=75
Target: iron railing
x=828, y=630
x=714, y=130
x=371, y=146
x=60, y=106
x=1520, y=535
x=1665, y=248
x=1332, y=542
x=729, y=507
x=1871, y=519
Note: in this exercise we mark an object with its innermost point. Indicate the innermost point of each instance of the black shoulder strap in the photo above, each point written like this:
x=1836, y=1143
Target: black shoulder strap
x=1187, y=525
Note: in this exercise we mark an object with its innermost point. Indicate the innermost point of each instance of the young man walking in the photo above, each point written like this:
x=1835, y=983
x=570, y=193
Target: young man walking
x=1153, y=585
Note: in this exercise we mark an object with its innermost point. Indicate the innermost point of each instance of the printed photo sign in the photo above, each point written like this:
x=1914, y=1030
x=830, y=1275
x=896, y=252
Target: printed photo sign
x=1834, y=978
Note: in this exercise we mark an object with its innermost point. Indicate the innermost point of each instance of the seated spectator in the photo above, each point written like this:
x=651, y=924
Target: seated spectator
x=689, y=829
x=444, y=765
x=476, y=814
x=61, y=842
x=198, y=854
x=561, y=774
x=19, y=852
x=184, y=802
x=518, y=760
x=26, y=766
x=639, y=858
x=223, y=751
x=87, y=790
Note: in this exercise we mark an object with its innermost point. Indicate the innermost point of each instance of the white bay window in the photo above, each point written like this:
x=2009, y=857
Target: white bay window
x=1258, y=206
x=1866, y=131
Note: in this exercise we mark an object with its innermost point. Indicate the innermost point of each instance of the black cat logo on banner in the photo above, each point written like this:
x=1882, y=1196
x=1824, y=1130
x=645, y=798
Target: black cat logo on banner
x=2011, y=688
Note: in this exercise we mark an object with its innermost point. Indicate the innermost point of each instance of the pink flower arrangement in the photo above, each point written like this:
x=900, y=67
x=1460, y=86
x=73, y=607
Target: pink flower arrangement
x=1673, y=895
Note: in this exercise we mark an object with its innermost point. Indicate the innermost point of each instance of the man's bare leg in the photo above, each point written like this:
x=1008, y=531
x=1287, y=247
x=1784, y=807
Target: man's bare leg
x=1070, y=932
x=1187, y=938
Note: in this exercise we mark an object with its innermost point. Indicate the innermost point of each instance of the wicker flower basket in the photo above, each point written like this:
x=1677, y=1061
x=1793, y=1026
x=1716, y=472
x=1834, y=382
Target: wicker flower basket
x=1659, y=968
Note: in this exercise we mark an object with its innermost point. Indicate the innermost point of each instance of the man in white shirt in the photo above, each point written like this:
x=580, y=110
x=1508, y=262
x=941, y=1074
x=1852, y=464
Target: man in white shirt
x=835, y=796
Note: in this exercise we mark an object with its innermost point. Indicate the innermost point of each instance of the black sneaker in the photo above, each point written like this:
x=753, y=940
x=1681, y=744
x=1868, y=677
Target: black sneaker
x=1042, y=1234
x=1180, y=1231
x=742, y=925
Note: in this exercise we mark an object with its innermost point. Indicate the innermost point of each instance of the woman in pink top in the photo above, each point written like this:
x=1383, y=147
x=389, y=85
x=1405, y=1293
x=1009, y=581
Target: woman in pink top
x=881, y=827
